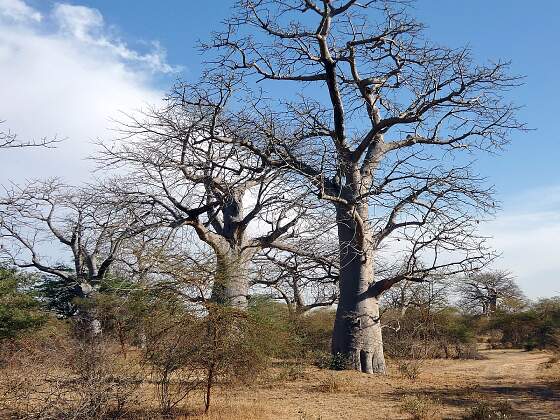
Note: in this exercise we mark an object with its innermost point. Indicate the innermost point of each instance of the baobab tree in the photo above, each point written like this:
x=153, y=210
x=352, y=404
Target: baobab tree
x=232, y=201
x=380, y=123
x=486, y=292
x=70, y=234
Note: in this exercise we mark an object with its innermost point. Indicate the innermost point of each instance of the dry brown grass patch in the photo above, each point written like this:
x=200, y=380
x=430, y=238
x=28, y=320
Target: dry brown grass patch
x=421, y=407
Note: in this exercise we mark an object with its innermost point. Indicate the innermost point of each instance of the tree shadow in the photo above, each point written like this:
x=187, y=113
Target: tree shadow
x=517, y=395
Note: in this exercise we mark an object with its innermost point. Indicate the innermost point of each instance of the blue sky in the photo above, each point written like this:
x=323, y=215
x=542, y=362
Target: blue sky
x=116, y=55
x=527, y=36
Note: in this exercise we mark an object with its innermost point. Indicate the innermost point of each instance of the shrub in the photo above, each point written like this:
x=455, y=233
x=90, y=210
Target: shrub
x=104, y=387
x=234, y=347
x=186, y=349
x=423, y=333
x=54, y=376
x=484, y=411
x=538, y=327
x=278, y=326
x=420, y=407
x=329, y=384
x=314, y=329
x=410, y=368
x=19, y=309
x=172, y=352
x=294, y=335
x=338, y=361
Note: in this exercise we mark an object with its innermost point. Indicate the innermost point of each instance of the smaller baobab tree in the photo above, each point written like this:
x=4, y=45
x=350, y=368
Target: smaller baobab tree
x=487, y=292
x=229, y=198
x=70, y=235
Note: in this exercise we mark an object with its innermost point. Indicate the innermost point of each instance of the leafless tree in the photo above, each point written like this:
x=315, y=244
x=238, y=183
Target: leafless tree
x=70, y=233
x=304, y=280
x=9, y=140
x=432, y=295
x=486, y=292
x=168, y=261
x=235, y=204
x=380, y=122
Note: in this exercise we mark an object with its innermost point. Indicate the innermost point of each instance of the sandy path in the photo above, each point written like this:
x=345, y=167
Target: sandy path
x=505, y=375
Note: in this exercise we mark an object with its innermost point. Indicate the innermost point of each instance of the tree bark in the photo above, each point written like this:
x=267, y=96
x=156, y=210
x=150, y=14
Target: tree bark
x=88, y=323
x=231, y=285
x=357, y=329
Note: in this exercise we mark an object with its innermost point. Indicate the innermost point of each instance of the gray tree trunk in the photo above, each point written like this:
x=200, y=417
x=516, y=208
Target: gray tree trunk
x=88, y=321
x=231, y=285
x=357, y=328
x=493, y=304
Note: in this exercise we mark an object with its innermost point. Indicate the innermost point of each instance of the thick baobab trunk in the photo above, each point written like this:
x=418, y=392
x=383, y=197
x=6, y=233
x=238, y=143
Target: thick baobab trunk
x=357, y=328
x=231, y=285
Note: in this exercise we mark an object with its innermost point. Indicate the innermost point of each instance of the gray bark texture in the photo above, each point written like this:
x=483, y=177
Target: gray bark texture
x=231, y=285
x=357, y=328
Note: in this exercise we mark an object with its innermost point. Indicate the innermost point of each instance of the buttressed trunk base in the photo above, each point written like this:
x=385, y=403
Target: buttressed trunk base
x=357, y=336
x=357, y=328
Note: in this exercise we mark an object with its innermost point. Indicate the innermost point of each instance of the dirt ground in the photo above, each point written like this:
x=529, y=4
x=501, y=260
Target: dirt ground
x=520, y=379
x=525, y=382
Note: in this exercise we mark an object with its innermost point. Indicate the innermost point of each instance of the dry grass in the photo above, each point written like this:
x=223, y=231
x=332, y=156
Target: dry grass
x=448, y=388
x=421, y=407
x=330, y=384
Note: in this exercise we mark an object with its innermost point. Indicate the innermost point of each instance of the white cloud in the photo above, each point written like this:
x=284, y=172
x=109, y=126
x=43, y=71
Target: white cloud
x=87, y=26
x=66, y=75
x=79, y=21
x=527, y=234
x=18, y=11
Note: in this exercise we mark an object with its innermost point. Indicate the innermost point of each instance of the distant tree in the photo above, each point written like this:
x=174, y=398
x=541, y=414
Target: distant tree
x=487, y=292
x=547, y=335
x=537, y=325
x=85, y=228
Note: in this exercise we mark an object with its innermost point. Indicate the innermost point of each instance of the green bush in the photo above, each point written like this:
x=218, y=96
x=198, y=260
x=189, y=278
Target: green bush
x=537, y=327
x=19, y=309
x=292, y=335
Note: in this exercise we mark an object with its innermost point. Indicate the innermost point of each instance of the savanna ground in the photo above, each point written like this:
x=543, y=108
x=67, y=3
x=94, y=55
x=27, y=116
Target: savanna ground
x=443, y=389
x=526, y=383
